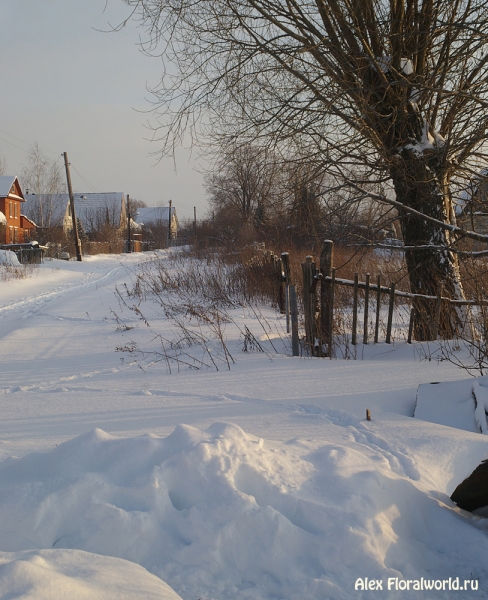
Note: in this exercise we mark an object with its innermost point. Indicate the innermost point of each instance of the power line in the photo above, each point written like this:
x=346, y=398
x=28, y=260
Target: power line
x=87, y=182
x=31, y=146
x=18, y=147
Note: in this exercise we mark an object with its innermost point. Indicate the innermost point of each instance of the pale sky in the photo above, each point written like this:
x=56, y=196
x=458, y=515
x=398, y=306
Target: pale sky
x=72, y=89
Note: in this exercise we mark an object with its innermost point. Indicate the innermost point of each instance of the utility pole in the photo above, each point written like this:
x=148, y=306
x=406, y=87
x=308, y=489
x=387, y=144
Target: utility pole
x=72, y=207
x=169, y=223
x=129, y=249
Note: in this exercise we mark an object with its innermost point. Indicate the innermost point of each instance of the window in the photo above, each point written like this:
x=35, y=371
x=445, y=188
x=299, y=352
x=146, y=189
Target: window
x=16, y=210
x=10, y=209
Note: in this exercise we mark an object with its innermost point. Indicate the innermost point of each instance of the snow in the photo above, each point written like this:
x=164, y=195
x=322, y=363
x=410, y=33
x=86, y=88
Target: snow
x=9, y=258
x=427, y=141
x=260, y=482
x=53, y=574
x=3, y=218
x=451, y=404
x=480, y=394
x=406, y=65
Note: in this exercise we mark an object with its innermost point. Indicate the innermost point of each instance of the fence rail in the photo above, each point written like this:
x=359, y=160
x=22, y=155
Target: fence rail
x=320, y=307
x=26, y=254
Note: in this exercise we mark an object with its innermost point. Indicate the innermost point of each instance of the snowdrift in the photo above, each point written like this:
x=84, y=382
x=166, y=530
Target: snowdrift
x=58, y=574
x=9, y=258
x=218, y=513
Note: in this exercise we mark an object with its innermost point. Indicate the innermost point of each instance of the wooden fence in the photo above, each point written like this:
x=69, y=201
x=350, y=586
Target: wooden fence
x=319, y=287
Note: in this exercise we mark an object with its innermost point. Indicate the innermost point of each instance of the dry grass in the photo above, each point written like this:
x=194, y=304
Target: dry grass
x=205, y=285
x=259, y=282
x=196, y=296
x=8, y=272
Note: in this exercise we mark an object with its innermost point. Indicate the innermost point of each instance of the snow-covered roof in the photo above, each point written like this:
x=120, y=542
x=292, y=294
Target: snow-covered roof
x=6, y=183
x=30, y=220
x=92, y=208
x=151, y=214
x=94, y=201
x=85, y=199
x=46, y=210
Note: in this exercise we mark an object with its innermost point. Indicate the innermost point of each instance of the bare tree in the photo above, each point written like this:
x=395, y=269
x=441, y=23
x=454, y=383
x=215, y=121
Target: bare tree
x=243, y=185
x=3, y=165
x=392, y=92
x=43, y=179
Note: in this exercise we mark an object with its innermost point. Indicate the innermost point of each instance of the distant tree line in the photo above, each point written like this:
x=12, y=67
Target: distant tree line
x=257, y=195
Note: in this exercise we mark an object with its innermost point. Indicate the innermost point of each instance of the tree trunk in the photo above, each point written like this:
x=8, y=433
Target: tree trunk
x=418, y=186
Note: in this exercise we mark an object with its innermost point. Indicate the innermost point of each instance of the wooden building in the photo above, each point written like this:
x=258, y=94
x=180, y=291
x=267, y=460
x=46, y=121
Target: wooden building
x=97, y=212
x=472, y=210
x=153, y=223
x=15, y=228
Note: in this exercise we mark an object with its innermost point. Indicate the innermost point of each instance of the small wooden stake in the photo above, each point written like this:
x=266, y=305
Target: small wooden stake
x=368, y=415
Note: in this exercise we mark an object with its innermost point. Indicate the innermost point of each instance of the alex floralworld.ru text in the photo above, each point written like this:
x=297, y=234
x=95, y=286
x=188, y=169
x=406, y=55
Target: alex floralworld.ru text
x=396, y=584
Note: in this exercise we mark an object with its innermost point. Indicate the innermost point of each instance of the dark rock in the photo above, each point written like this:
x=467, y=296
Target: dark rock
x=472, y=493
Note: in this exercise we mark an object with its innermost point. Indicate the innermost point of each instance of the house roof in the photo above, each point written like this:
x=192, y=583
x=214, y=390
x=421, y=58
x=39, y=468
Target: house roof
x=86, y=199
x=151, y=214
x=29, y=220
x=87, y=205
x=465, y=196
x=47, y=210
x=6, y=183
x=94, y=201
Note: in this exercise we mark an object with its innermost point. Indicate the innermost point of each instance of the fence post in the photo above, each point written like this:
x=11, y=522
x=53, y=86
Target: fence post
x=391, y=306
x=366, y=310
x=438, y=307
x=355, y=310
x=285, y=259
x=378, y=308
x=308, y=271
x=330, y=338
x=326, y=294
x=410, y=325
x=313, y=308
x=294, y=321
x=279, y=279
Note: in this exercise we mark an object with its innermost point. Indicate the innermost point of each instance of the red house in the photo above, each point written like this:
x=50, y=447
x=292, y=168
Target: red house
x=14, y=227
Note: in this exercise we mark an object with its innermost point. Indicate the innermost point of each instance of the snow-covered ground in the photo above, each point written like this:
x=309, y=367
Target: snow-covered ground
x=260, y=482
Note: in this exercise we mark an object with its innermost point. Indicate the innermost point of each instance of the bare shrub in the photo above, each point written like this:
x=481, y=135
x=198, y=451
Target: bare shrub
x=197, y=297
x=8, y=272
